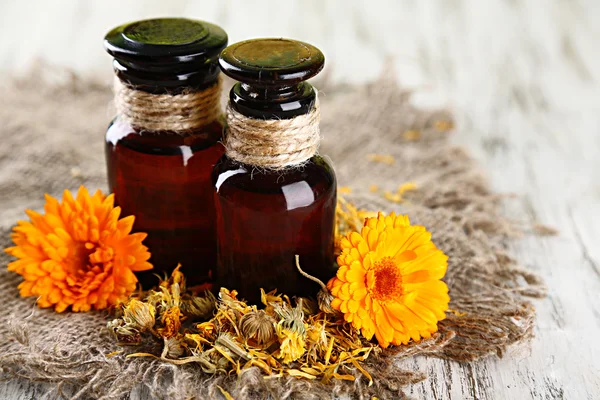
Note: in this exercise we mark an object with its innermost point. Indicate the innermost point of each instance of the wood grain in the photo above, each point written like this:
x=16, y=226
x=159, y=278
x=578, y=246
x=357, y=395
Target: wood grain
x=524, y=80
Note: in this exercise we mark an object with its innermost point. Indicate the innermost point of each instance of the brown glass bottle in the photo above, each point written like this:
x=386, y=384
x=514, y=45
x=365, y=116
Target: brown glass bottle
x=266, y=217
x=162, y=177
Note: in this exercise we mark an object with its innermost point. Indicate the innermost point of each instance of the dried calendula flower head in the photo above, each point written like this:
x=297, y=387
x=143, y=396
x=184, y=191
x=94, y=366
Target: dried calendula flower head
x=292, y=344
x=173, y=348
x=291, y=332
x=171, y=322
x=123, y=333
x=324, y=298
x=292, y=318
x=199, y=307
x=258, y=325
x=139, y=314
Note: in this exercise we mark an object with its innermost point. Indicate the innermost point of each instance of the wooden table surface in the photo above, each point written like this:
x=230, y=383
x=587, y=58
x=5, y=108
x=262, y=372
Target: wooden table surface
x=524, y=80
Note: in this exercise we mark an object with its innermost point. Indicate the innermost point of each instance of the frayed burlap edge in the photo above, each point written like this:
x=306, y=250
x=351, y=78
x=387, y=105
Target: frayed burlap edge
x=52, y=140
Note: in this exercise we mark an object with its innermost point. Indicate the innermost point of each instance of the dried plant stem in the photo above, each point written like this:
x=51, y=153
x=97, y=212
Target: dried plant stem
x=324, y=296
x=306, y=275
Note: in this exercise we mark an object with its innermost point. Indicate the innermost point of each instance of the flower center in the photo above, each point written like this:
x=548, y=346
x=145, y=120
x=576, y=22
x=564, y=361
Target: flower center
x=80, y=259
x=388, y=280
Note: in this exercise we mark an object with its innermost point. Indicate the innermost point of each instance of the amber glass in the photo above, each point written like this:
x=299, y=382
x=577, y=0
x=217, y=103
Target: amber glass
x=164, y=180
x=266, y=217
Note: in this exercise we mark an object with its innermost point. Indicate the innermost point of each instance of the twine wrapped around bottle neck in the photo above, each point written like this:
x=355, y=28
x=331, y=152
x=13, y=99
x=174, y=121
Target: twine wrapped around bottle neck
x=167, y=112
x=274, y=144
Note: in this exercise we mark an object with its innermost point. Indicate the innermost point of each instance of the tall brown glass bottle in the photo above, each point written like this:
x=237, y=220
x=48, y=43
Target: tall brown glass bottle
x=162, y=175
x=267, y=216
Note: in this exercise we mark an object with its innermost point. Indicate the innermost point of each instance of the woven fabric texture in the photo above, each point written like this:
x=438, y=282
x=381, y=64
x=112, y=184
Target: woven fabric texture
x=52, y=139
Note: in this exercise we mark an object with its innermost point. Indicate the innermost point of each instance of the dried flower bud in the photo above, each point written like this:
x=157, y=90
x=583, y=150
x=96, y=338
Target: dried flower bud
x=173, y=348
x=258, y=325
x=324, y=298
x=292, y=319
x=114, y=324
x=199, y=307
x=139, y=315
x=123, y=333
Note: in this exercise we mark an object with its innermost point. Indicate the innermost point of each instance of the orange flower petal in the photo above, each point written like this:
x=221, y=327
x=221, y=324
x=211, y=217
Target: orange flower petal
x=356, y=273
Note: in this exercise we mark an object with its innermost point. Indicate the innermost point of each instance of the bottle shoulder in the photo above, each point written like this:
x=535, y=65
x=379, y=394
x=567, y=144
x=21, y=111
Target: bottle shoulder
x=317, y=176
x=122, y=133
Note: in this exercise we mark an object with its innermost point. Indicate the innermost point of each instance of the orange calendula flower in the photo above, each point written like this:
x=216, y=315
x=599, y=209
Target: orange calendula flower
x=388, y=283
x=79, y=253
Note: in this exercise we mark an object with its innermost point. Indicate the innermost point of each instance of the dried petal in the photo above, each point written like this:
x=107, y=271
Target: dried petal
x=171, y=322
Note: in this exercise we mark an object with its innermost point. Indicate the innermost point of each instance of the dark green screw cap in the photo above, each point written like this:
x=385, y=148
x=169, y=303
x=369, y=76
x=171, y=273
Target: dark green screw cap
x=166, y=53
x=271, y=61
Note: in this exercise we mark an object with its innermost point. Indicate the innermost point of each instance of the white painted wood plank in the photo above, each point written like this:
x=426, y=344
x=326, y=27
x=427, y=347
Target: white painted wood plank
x=524, y=80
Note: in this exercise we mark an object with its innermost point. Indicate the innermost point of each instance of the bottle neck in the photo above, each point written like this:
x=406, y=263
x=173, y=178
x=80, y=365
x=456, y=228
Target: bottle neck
x=161, y=78
x=272, y=102
x=167, y=112
x=274, y=137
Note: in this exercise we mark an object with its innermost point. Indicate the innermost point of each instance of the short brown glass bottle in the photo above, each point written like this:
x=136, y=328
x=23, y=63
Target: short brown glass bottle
x=266, y=216
x=160, y=172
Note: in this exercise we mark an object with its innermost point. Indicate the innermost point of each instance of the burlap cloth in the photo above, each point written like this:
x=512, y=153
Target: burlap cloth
x=52, y=139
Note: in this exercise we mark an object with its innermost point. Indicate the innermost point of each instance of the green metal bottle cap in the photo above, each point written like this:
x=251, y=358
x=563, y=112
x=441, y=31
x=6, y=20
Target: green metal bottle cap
x=271, y=61
x=166, y=53
x=169, y=32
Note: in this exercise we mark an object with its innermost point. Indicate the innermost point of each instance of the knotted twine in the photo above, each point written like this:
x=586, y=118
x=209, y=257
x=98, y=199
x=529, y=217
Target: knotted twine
x=274, y=144
x=71, y=352
x=180, y=112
